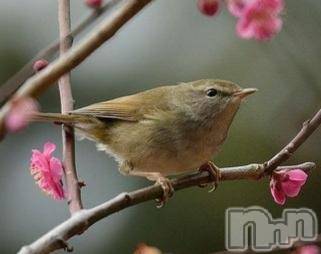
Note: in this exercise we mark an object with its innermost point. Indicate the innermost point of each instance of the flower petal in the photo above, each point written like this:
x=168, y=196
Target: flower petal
x=293, y=181
x=309, y=249
x=244, y=29
x=277, y=193
x=38, y=162
x=56, y=169
x=259, y=19
x=49, y=148
x=291, y=188
x=57, y=191
x=274, y=6
x=268, y=29
x=20, y=113
x=47, y=171
x=236, y=7
x=298, y=175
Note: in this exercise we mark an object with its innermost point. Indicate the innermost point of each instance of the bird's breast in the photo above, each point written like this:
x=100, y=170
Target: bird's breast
x=181, y=148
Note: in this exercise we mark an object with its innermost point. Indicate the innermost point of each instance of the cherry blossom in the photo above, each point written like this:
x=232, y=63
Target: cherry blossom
x=47, y=171
x=20, y=114
x=287, y=183
x=259, y=19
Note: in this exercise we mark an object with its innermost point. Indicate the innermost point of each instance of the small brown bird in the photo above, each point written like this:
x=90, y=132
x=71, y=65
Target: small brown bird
x=163, y=131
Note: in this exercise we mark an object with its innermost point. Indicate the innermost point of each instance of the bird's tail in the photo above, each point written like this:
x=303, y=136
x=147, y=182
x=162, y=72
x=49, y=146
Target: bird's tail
x=58, y=118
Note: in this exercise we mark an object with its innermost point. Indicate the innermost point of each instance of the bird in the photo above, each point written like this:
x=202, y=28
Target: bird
x=164, y=131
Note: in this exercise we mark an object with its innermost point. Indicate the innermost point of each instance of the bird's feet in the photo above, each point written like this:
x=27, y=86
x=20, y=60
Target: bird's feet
x=214, y=173
x=127, y=168
x=168, y=190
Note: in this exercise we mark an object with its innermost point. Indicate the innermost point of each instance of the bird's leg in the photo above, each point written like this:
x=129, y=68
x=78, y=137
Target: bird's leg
x=214, y=173
x=126, y=168
x=164, y=182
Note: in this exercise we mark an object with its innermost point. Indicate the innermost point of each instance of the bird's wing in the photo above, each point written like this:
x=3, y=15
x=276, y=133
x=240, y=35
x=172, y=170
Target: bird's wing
x=129, y=108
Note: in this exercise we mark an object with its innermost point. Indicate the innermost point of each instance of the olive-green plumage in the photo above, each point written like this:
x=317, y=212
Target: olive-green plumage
x=162, y=131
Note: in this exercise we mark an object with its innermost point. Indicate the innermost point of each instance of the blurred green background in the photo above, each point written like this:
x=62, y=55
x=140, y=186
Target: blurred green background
x=169, y=42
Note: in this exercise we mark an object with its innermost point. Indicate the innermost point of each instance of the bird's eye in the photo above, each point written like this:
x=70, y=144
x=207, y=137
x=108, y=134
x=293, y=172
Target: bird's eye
x=211, y=92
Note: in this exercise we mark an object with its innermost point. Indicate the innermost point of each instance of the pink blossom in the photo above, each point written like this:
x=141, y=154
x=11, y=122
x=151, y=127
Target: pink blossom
x=20, y=113
x=236, y=7
x=259, y=19
x=309, y=249
x=143, y=248
x=39, y=65
x=208, y=7
x=94, y=3
x=47, y=171
x=287, y=183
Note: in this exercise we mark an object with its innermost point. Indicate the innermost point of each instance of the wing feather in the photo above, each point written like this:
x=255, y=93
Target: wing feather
x=128, y=108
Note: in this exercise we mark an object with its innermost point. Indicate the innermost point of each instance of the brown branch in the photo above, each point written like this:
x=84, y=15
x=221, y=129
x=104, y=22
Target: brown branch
x=57, y=237
x=67, y=102
x=307, y=129
x=107, y=29
x=11, y=85
x=82, y=220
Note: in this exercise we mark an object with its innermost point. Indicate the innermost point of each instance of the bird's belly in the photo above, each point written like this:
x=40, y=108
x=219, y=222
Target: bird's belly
x=162, y=150
x=173, y=161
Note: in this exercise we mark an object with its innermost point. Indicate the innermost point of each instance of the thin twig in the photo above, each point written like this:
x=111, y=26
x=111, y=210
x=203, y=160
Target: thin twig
x=67, y=103
x=307, y=129
x=14, y=82
x=82, y=220
x=57, y=237
x=41, y=81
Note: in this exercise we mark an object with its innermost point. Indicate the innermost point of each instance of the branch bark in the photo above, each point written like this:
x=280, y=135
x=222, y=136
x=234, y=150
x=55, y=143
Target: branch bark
x=307, y=129
x=82, y=220
x=14, y=82
x=77, y=224
x=41, y=81
x=67, y=102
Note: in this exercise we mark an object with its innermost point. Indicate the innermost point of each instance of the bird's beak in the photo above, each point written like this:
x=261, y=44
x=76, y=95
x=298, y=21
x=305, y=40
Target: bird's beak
x=244, y=92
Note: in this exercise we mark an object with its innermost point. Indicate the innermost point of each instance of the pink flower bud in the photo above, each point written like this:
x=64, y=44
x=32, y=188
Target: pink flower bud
x=309, y=249
x=40, y=64
x=143, y=248
x=20, y=114
x=208, y=7
x=287, y=183
x=47, y=171
x=94, y=3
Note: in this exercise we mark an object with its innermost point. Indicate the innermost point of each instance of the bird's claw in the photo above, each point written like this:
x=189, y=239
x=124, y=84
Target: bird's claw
x=214, y=173
x=168, y=191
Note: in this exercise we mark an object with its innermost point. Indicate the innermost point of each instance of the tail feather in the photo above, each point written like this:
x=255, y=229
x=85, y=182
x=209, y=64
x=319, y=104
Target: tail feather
x=57, y=118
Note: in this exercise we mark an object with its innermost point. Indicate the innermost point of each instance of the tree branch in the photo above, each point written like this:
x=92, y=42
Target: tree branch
x=308, y=128
x=77, y=224
x=41, y=81
x=82, y=220
x=67, y=102
x=14, y=82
